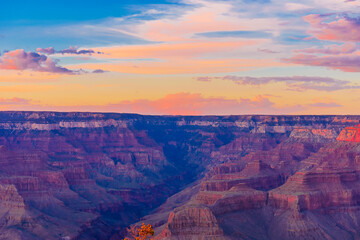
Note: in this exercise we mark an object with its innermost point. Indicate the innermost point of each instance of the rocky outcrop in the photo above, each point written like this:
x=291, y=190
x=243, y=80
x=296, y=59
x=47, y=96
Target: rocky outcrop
x=12, y=210
x=314, y=135
x=192, y=222
x=315, y=190
x=240, y=197
x=350, y=134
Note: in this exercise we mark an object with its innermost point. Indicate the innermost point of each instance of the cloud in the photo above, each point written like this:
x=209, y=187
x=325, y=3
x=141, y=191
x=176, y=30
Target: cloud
x=214, y=18
x=346, y=63
x=183, y=66
x=204, y=79
x=325, y=105
x=179, y=104
x=168, y=39
x=171, y=104
x=295, y=83
x=174, y=51
x=180, y=58
x=296, y=7
x=205, y=37
x=235, y=34
x=99, y=71
x=49, y=50
x=70, y=50
x=334, y=27
x=345, y=48
x=266, y=50
x=14, y=101
x=74, y=50
x=21, y=60
x=196, y=104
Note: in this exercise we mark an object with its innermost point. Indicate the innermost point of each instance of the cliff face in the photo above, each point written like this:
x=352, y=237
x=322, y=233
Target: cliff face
x=350, y=134
x=88, y=175
x=307, y=186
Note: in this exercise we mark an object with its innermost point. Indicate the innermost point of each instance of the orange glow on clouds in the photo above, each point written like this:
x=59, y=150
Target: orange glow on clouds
x=158, y=74
x=180, y=58
x=190, y=66
x=172, y=50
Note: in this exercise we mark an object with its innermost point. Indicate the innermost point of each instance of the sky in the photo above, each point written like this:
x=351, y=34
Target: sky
x=181, y=57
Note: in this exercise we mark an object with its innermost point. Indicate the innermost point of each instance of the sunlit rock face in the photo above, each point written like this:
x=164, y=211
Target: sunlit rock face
x=350, y=134
x=89, y=175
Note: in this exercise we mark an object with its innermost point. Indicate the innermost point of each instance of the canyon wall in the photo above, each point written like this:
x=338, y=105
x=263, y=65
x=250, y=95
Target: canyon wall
x=90, y=175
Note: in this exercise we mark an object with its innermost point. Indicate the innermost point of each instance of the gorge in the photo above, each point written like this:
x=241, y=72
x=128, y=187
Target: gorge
x=90, y=175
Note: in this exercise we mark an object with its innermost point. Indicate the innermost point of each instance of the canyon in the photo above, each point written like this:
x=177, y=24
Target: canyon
x=91, y=175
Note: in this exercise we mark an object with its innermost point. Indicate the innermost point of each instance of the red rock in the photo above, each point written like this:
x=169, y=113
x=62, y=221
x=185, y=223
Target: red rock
x=350, y=134
x=192, y=222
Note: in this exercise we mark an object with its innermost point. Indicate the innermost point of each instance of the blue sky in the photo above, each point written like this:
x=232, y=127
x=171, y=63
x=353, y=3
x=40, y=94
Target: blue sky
x=42, y=12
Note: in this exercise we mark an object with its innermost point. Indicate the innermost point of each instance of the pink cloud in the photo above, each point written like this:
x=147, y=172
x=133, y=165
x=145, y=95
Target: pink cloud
x=171, y=104
x=207, y=16
x=21, y=60
x=332, y=27
x=195, y=104
x=341, y=28
x=325, y=105
x=346, y=63
x=183, y=66
x=49, y=50
x=266, y=50
x=18, y=104
x=14, y=102
x=204, y=79
x=71, y=50
x=332, y=49
x=174, y=51
x=37, y=62
x=294, y=83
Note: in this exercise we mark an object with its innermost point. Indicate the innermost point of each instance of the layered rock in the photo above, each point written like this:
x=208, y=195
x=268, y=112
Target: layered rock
x=314, y=135
x=192, y=222
x=89, y=175
x=350, y=134
x=314, y=190
x=12, y=210
x=311, y=189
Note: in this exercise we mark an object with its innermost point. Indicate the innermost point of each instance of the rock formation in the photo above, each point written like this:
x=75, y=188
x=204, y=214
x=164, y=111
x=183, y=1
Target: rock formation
x=90, y=175
x=307, y=187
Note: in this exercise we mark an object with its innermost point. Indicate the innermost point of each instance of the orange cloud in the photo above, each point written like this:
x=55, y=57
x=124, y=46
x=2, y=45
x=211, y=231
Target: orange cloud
x=14, y=103
x=188, y=66
x=179, y=58
x=179, y=50
x=172, y=50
